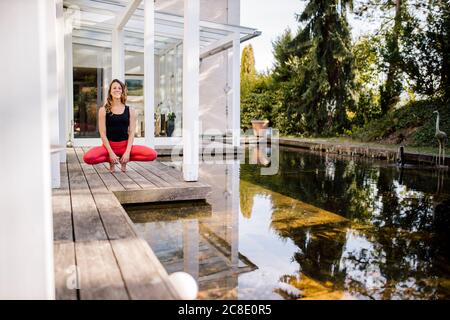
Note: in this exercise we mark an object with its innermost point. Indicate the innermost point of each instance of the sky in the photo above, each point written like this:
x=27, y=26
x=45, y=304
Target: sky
x=272, y=17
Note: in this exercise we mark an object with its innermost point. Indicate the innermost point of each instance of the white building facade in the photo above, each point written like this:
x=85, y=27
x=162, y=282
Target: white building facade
x=92, y=37
x=178, y=57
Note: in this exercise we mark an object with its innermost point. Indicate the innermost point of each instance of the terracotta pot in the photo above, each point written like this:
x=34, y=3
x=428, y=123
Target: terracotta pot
x=260, y=127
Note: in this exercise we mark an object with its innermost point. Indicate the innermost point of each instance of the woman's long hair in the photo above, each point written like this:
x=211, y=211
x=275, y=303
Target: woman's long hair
x=123, y=97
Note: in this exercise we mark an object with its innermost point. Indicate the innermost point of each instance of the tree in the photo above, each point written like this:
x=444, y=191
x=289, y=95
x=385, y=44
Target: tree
x=391, y=89
x=259, y=102
x=323, y=82
x=248, y=70
x=403, y=37
x=367, y=80
x=282, y=53
x=427, y=51
x=257, y=94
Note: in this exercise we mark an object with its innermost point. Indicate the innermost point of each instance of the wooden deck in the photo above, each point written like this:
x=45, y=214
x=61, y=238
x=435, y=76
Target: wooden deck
x=98, y=254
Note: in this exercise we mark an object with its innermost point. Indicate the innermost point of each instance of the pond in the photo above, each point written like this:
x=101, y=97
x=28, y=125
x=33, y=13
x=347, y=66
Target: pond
x=321, y=226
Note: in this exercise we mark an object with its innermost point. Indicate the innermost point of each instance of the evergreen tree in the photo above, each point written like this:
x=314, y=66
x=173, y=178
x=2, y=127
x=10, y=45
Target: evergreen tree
x=248, y=70
x=248, y=61
x=282, y=53
x=323, y=83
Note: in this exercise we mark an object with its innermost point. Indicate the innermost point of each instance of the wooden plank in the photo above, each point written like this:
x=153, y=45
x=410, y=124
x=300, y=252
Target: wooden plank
x=87, y=168
x=157, y=181
x=114, y=217
x=175, y=173
x=138, y=178
x=124, y=180
x=62, y=209
x=170, y=173
x=99, y=274
x=86, y=220
x=175, y=211
x=110, y=181
x=163, y=194
x=108, y=178
x=110, y=209
x=142, y=272
x=66, y=281
x=162, y=174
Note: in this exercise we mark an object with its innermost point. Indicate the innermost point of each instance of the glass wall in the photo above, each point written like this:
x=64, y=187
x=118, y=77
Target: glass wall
x=168, y=99
x=134, y=79
x=91, y=76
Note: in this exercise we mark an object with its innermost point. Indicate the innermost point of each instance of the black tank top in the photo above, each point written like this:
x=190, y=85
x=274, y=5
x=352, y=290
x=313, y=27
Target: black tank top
x=117, y=125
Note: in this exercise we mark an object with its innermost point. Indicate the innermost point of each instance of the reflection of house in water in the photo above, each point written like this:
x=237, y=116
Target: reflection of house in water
x=200, y=238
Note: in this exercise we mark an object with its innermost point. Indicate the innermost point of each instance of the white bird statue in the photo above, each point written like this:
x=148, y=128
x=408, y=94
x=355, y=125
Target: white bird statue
x=442, y=139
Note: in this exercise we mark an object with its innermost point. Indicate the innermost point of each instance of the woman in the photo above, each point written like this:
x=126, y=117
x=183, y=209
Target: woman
x=116, y=122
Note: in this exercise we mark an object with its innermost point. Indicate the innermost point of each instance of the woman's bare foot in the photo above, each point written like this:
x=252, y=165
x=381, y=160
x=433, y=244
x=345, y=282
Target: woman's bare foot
x=123, y=167
x=112, y=167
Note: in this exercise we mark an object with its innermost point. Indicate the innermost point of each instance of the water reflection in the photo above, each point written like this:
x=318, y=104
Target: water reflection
x=323, y=227
x=200, y=238
x=395, y=244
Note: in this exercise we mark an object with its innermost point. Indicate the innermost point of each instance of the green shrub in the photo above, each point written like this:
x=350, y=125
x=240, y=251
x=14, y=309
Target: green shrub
x=416, y=114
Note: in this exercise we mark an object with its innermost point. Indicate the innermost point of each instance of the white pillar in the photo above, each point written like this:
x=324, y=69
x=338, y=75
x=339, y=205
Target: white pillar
x=149, y=72
x=52, y=87
x=26, y=228
x=68, y=75
x=235, y=90
x=118, y=55
x=233, y=187
x=191, y=51
x=234, y=102
x=191, y=248
x=60, y=32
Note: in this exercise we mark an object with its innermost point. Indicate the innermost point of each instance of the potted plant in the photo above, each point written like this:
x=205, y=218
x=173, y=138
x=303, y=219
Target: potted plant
x=170, y=123
x=260, y=127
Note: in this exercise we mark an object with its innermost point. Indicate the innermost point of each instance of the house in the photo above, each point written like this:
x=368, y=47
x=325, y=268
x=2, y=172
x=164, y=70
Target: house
x=176, y=56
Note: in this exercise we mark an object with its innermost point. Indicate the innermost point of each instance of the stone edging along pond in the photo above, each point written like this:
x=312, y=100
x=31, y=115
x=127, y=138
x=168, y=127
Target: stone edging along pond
x=360, y=150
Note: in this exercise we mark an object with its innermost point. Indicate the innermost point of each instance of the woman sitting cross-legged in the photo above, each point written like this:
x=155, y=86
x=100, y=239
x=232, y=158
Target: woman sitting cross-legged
x=116, y=122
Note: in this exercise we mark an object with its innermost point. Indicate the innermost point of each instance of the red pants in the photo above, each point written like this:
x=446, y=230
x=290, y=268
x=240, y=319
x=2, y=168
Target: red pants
x=100, y=154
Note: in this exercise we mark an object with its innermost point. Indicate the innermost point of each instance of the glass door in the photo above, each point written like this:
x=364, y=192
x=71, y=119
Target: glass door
x=88, y=98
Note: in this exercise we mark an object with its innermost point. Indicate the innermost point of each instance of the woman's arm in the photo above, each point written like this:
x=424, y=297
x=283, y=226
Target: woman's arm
x=102, y=129
x=131, y=129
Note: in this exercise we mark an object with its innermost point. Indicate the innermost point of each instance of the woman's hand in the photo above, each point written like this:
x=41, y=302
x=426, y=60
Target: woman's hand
x=125, y=158
x=113, y=158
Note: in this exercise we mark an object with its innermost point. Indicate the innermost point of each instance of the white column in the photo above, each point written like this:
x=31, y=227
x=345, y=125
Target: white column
x=191, y=51
x=52, y=87
x=118, y=55
x=26, y=228
x=60, y=33
x=191, y=248
x=68, y=75
x=234, y=107
x=233, y=185
x=236, y=90
x=149, y=72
